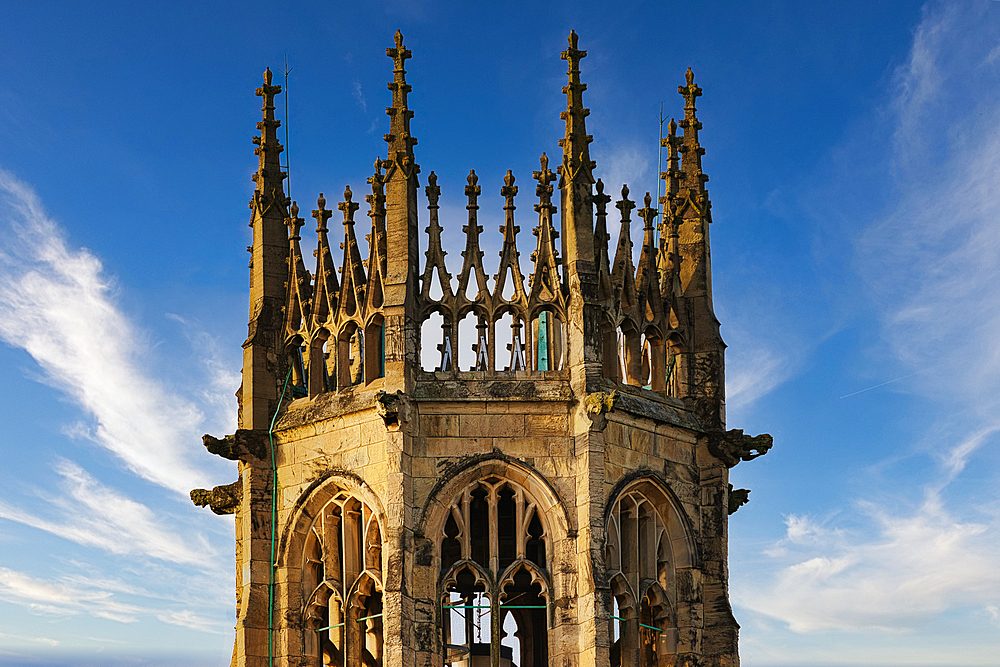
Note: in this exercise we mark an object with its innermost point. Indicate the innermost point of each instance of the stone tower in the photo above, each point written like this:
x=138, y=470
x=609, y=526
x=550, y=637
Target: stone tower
x=562, y=501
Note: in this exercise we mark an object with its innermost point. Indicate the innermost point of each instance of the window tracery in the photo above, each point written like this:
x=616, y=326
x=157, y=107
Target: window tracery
x=494, y=577
x=342, y=584
x=641, y=564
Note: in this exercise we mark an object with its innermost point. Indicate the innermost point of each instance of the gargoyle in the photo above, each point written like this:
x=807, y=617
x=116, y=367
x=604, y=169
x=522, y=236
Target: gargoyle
x=737, y=498
x=733, y=447
x=238, y=446
x=222, y=499
x=598, y=405
x=391, y=407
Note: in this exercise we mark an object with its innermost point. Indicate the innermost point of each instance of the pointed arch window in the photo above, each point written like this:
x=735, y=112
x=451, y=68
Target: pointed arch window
x=494, y=585
x=641, y=565
x=342, y=585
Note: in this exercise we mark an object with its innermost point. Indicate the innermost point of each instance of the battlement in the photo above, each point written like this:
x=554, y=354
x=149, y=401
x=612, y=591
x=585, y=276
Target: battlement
x=640, y=324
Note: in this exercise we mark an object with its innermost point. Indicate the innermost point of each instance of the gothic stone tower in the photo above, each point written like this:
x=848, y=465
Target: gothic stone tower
x=564, y=501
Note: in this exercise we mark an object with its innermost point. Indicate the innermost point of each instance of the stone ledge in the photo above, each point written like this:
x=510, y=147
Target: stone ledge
x=492, y=389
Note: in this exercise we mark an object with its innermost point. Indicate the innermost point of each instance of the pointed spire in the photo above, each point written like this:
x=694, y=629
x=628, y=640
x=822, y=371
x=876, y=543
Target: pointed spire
x=472, y=255
x=377, y=248
x=435, y=253
x=352, y=286
x=576, y=163
x=269, y=176
x=544, y=281
x=649, y=304
x=623, y=271
x=400, y=142
x=327, y=287
x=690, y=148
x=299, y=291
x=601, y=239
x=509, y=255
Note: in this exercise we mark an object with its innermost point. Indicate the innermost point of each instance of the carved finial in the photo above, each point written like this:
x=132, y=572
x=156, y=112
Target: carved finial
x=348, y=195
x=398, y=38
x=672, y=128
x=432, y=180
x=508, y=179
x=321, y=202
x=574, y=39
x=600, y=187
x=544, y=161
x=267, y=76
x=625, y=192
x=295, y=210
x=688, y=75
x=473, y=179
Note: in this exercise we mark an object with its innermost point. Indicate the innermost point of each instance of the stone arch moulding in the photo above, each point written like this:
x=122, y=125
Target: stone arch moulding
x=554, y=514
x=292, y=536
x=682, y=542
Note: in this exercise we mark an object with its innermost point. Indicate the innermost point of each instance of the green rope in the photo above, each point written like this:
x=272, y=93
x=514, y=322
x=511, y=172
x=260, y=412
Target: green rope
x=641, y=625
x=274, y=522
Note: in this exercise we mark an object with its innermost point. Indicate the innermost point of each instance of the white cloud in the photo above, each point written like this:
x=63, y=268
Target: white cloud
x=188, y=619
x=94, y=515
x=932, y=263
x=58, y=305
x=896, y=574
x=58, y=598
x=359, y=96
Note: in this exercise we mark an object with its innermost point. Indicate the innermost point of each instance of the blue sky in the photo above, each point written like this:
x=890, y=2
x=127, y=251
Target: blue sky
x=854, y=155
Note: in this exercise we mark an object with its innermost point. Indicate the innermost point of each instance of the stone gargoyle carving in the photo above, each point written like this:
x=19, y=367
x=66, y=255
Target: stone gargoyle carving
x=392, y=408
x=238, y=446
x=222, y=499
x=737, y=498
x=598, y=405
x=733, y=446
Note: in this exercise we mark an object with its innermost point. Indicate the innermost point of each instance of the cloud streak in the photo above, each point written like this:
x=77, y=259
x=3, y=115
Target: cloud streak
x=94, y=515
x=58, y=305
x=932, y=265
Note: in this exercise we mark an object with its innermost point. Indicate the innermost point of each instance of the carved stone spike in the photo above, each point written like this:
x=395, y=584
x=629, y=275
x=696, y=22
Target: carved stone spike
x=733, y=446
x=239, y=446
x=737, y=498
x=222, y=500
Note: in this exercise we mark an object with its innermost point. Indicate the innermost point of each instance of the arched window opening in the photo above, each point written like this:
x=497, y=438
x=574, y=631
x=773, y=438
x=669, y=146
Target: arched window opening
x=547, y=333
x=342, y=560
x=672, y=372
x=523, y=599
x=350, y=356
x=610, y=355
x=374, y=350
x=329, y=361
x=629, y=354
x=468, y=626
x=641, y=571
x=468, y=343
x=508, y=543
x=436, y=345
x=653, y=369
x=509, y=339
x=297, y=360
x=317, y=380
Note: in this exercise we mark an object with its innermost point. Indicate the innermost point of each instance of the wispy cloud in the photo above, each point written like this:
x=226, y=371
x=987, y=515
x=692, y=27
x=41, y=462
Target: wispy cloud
x=113, y=600
x=58, y=598
x=932, y=264
x=359, y=96
x=898, y=572
x=58, y=305
x=94, y=515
